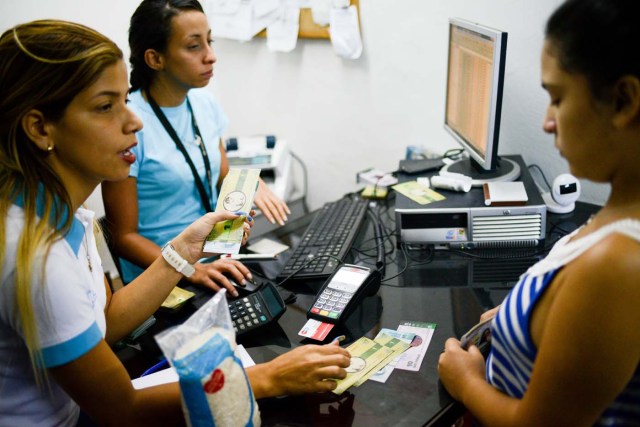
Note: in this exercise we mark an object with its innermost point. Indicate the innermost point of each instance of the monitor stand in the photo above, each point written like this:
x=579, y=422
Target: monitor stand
x=506, y=170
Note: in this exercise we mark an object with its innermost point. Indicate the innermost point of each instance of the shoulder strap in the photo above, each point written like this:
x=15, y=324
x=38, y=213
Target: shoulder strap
x=628, y=226
x=567, y=252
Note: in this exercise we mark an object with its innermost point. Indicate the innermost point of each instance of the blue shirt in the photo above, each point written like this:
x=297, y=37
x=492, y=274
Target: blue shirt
x=168, y=199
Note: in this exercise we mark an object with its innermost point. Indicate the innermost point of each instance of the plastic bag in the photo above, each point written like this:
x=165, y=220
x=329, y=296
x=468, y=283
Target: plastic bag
x=214, y=387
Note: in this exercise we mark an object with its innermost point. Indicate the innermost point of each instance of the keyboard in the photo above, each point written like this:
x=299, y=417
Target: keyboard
x=331, y=232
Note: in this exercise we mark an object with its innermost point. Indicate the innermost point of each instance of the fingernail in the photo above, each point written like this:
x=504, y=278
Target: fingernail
x=286, y=218
x=339, y=338
x=250, y=276
x=244, y=282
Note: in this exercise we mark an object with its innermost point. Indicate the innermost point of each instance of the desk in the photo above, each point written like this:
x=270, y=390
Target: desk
x=447, y=288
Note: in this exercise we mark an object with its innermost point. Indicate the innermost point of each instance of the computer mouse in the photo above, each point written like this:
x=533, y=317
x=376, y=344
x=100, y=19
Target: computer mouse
x=249, y=287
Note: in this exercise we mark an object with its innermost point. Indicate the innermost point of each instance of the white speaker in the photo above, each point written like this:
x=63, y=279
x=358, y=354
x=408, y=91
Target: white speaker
x=563, y=195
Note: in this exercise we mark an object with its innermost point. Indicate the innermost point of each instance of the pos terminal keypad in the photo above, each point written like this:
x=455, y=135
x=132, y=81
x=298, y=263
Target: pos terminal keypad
x=330, y=303
x=256, y=309
x=245, y=315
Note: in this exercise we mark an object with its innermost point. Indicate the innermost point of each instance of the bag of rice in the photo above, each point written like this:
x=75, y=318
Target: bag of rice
x=215, y=389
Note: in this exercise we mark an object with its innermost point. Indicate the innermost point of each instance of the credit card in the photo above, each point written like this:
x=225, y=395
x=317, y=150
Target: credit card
x=316, y=330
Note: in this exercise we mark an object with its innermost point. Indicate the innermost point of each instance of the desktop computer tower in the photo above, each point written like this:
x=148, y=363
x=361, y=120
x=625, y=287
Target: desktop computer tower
x=463, y=221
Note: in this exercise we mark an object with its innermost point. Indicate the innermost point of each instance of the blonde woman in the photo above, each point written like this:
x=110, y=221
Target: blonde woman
x=64, y=129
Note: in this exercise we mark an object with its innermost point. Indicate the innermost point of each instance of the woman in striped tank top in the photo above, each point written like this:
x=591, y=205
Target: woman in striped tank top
x=566, y=340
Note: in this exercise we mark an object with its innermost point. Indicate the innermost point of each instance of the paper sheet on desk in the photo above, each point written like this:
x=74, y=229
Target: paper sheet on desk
x=169, y=375
x=418, y=193
x=267, y=246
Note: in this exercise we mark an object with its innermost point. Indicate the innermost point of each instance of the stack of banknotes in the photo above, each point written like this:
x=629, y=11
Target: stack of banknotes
x=375, y=359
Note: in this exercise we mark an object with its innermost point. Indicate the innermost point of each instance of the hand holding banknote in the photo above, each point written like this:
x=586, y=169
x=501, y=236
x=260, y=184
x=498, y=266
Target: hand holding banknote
x=236, y=195
x=189, y=243
x=366, y=355
x=305, y=369
x=479, y=335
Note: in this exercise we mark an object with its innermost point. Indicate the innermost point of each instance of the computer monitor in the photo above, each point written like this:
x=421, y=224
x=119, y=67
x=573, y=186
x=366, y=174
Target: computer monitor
x=475, y=81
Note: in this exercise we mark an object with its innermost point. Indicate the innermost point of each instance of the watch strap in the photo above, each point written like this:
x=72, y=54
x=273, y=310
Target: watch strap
x=176, y=261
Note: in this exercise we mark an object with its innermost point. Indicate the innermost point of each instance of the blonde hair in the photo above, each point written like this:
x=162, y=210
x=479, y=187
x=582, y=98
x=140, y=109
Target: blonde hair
x=43, y=66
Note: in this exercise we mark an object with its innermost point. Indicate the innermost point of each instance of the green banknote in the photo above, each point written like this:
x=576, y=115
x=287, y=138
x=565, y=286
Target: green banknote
x=238, y=190
x=365, y=356
x=396, y=346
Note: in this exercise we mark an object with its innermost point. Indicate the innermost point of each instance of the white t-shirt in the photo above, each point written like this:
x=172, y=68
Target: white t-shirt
x=69, y=308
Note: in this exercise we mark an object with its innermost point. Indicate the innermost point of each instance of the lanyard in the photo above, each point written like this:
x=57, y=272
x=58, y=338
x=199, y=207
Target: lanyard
x=206, y=200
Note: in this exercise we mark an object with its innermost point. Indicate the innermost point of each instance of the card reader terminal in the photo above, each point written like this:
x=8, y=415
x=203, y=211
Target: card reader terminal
x=342, y=293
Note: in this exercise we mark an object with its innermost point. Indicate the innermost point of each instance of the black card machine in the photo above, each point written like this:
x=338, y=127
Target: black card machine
x=343, y=292
x=257, y=309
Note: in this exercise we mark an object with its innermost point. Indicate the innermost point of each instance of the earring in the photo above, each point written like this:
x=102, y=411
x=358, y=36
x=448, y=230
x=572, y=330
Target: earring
x=49, y=148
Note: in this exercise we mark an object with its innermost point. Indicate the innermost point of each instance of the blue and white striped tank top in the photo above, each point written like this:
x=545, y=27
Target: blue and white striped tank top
x=513, y=354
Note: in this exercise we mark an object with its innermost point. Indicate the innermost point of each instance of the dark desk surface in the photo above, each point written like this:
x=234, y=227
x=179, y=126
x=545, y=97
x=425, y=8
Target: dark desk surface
x=447, y=288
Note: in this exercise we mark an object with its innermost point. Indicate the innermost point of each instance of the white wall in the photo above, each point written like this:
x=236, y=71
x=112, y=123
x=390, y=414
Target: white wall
x=342, y=116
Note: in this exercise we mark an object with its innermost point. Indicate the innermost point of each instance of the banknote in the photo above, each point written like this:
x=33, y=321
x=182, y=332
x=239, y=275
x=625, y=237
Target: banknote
x=412, y=358
x=176, y=299
x=418, y=193
x=477, y=335
x=236, y=194
x=397, y=347
x=366, y=354
x=383, y=374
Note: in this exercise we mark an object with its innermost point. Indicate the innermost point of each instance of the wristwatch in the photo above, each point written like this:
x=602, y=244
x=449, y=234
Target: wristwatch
x=176, y=261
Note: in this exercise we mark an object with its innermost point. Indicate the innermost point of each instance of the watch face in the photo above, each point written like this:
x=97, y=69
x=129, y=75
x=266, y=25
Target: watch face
x=234, y=201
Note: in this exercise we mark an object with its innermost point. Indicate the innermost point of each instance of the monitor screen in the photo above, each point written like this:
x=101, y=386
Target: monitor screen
x=475, y=80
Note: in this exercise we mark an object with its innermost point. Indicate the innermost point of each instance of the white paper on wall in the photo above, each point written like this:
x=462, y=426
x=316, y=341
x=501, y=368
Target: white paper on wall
x=344, y=31
x=282, y=35
x=241, y=19
x=321, y=12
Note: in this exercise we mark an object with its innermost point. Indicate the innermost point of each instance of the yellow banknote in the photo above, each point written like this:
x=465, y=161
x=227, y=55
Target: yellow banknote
x=366, y=354
x=176, y=298
x=396, y=346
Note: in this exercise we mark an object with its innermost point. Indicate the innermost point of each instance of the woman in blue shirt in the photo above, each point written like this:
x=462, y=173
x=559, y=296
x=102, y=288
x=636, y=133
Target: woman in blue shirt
x=171, y=63
x=565, y=343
